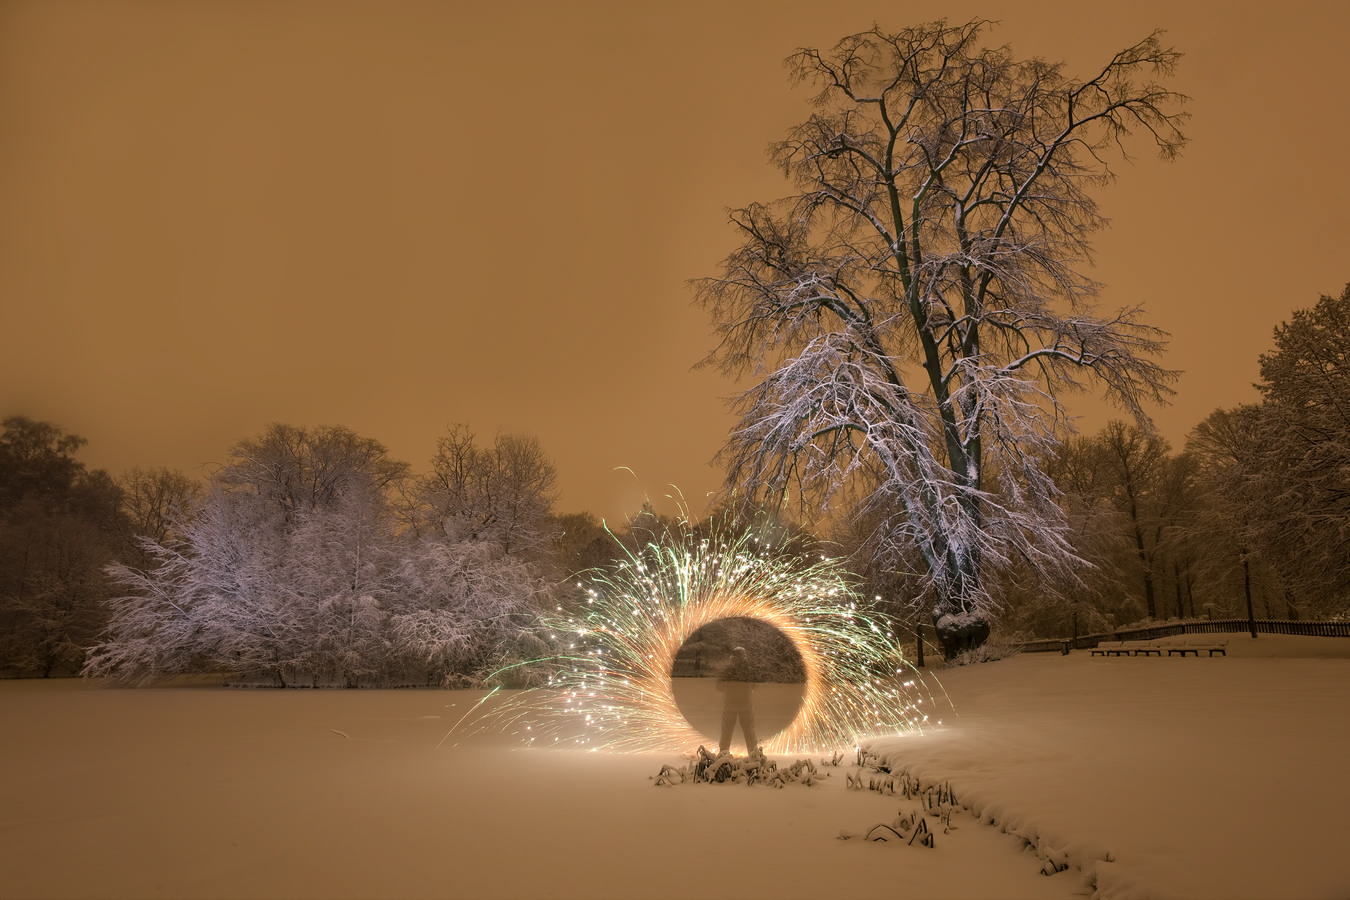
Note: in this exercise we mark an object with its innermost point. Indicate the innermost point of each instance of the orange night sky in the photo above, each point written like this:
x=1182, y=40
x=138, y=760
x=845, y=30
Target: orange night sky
x=396, y=216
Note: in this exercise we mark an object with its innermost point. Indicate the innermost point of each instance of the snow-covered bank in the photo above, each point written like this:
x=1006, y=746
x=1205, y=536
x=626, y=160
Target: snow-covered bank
x=1203, y=778
x=1199, y=778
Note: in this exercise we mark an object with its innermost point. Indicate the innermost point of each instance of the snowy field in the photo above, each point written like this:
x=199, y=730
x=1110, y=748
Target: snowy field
x=1195, y=778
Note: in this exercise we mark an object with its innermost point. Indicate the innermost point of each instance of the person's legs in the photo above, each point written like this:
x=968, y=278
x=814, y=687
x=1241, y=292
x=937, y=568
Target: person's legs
x=728, y=727
x=748, y=730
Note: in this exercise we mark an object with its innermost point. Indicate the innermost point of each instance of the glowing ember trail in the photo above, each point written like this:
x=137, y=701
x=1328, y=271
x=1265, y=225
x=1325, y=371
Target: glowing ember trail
x=610, y=683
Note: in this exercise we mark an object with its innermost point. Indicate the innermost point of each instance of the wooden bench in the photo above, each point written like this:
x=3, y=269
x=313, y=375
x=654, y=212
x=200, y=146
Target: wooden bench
x=1127, y=648
x=1194, y=643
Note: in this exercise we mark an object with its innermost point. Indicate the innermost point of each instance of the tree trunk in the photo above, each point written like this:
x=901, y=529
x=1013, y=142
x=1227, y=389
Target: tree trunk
x=1247, y=588
x=1150, y=602
x=1181, y=597
x=959, y=633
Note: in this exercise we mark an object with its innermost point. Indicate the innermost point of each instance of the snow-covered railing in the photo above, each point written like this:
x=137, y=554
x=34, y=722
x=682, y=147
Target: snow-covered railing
x=1271, y=626
x=1197, y=626
x=1044, y=645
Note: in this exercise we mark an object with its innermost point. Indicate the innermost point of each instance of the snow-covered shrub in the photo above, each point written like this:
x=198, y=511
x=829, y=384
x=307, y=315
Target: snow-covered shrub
x=999, y=646
x=318, y=594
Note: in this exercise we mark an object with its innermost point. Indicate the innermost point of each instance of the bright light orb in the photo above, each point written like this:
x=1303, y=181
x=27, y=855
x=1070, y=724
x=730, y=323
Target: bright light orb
x=610, y=686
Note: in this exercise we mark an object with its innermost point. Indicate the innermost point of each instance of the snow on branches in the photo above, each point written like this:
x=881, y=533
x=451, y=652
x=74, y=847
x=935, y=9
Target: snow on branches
x=915, y=313
x=292, y=570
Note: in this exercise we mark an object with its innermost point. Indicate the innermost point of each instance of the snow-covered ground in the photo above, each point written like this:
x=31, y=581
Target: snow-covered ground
x=1221, y=777
x=1199, y=778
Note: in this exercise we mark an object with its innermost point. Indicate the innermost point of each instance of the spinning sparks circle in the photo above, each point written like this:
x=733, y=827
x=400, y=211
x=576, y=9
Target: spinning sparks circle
x=609, y=686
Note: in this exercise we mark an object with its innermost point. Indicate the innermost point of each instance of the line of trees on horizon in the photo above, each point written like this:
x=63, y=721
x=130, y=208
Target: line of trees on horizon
x=311, y=557
x=1250, y=518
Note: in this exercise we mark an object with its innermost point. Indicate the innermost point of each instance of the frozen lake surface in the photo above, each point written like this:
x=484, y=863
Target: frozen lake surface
x=1153, y=777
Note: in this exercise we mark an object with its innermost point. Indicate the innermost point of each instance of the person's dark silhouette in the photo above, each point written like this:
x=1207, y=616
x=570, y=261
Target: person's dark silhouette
x=736, y=684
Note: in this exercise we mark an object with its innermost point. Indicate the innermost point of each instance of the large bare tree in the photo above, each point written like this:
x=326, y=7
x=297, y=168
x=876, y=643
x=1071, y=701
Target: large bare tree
x=294, y=469
x=915, y=312
x=502, y=493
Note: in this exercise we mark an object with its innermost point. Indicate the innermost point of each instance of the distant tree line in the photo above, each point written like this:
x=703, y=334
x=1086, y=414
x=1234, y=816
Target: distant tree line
x=1250, y=518
x=311, y=557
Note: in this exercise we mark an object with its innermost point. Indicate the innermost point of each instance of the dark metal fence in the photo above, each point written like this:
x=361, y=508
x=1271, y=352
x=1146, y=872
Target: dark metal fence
x=1199, y=626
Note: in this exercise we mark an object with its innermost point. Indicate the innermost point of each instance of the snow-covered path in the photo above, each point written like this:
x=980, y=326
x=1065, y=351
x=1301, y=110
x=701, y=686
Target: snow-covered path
x=1202, y=778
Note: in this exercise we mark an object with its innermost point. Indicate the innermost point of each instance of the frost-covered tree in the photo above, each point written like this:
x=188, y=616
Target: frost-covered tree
x=1131, y=506
x=292, y=568
x=1305, y=383
x=472, y=609
x=206, y=601
x=502, y=493
x=1137, y=463
x=1242, y=564
x=914, y=315
x=1283, y=466
x=294, y=468
x=484, y=526
x=341, y=582
x=279, y=571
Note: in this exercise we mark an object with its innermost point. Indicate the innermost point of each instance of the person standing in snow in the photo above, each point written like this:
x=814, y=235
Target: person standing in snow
x=736, y=684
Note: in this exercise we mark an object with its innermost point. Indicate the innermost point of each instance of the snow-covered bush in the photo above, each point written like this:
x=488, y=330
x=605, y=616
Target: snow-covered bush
x=302, y=577
x=999, y=646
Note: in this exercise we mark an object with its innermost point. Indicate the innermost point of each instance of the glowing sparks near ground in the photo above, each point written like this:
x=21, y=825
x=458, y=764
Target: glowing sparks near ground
x=610, y=685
